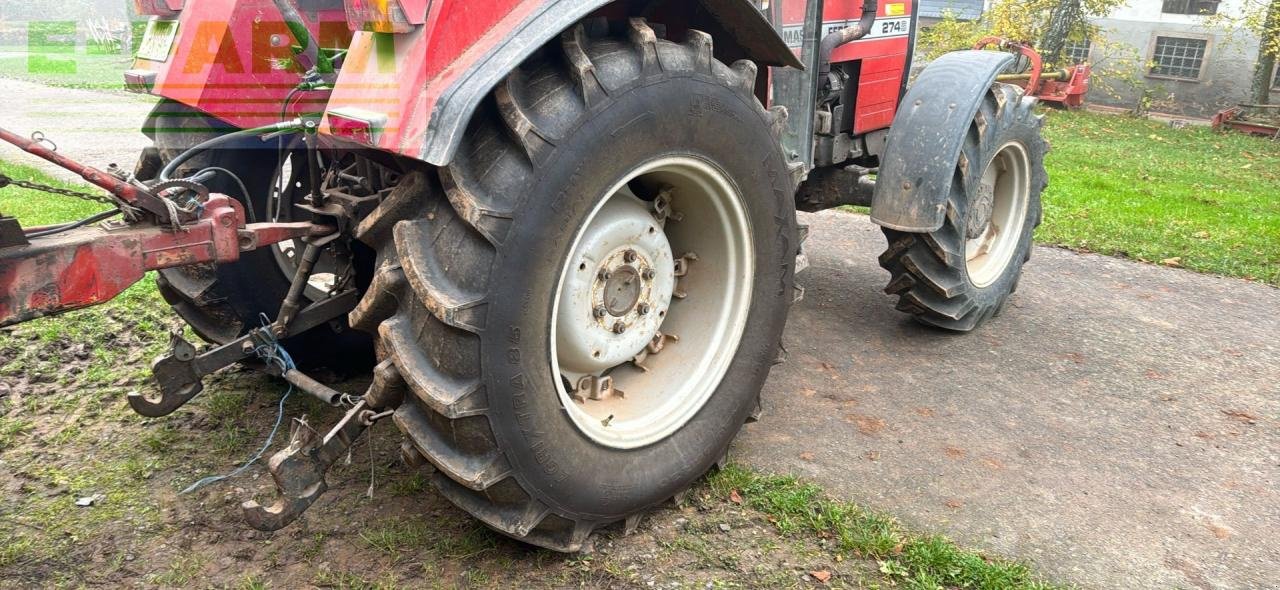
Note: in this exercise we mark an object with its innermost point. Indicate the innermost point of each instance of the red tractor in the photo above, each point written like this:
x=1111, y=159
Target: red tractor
x=562, y=233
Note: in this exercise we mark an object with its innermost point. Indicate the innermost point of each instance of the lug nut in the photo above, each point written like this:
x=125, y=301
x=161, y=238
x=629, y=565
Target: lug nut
x=603, y=275
x=599, y=312
x=648, y=274
x=629, y=256
x=619, y=327
x=644, y=309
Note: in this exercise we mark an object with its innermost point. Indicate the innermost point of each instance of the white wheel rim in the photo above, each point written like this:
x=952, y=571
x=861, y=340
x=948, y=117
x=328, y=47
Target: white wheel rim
x=1005, y=188
x=653, y=394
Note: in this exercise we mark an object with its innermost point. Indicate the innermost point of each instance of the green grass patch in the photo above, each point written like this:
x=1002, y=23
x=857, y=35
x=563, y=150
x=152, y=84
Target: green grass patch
x=181, y=573
x=33, y=207
x=15, y=549
x=66, y=67
x=99, y=341
x=1187, y=197
x=916, y=561
x=350, y=581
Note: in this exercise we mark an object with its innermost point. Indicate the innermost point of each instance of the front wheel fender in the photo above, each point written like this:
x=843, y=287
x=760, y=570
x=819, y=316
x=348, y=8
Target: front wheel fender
x=923, y=147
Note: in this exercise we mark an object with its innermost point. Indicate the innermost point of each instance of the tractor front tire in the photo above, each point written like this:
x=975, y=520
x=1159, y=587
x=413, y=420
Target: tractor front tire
x=473, y=297
x=961, y=274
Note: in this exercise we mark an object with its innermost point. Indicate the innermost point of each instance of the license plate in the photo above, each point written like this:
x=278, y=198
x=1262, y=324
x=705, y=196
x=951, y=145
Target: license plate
x=158, y=40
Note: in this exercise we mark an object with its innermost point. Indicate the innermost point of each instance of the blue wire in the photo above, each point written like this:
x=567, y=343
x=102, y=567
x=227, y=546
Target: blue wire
x=270, y=438
x=270, y=353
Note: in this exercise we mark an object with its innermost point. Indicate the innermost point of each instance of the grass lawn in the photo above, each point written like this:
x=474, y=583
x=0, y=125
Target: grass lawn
x=38, y=208
x=1141, y=189
x=65, y=69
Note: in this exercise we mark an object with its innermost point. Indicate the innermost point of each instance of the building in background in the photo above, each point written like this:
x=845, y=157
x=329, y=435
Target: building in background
x=1186, y=63
x=932, y=11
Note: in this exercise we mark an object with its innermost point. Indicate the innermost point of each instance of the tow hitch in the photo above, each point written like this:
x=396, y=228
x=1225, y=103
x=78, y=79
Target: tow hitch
x=299, y=469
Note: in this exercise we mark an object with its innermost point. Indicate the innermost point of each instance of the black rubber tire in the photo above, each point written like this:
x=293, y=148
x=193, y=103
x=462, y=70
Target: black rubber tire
x=222, y=302
x=470, y=256
x=929, y=274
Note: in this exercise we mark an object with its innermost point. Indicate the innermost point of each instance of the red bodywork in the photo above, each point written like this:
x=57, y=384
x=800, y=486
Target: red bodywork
x=226, y=63
x=884, y=54
x=231, y=58
x=403, y=76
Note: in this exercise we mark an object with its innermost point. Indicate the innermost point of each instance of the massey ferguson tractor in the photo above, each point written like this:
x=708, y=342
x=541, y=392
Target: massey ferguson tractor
x=560, y=234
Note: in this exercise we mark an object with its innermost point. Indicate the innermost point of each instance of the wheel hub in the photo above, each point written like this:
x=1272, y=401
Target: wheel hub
x=641, y=338
x=997, y=215
x=980, y=212
x=622, y=291
x=614, y=300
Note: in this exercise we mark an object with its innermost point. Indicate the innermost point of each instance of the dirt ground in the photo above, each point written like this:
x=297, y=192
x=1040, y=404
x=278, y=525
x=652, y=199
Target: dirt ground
x=139, y=532
x=1118, y=425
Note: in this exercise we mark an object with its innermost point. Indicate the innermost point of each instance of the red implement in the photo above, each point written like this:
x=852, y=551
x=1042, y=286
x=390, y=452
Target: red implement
x=91, y=265
x=65, y=270
x=127, y=192
x=1066, y=87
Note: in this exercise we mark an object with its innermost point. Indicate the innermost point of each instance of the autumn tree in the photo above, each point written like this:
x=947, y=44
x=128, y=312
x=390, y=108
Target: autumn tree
x=1049, y=23
x=1260, y=20
x=1065, y=19
x=1268, y=49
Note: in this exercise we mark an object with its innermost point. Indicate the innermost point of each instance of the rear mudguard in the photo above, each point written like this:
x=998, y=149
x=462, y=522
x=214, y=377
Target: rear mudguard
x=919, y=161
x=427, y=84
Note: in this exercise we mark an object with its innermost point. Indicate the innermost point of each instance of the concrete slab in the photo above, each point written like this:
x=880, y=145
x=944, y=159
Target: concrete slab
x=1118, y=425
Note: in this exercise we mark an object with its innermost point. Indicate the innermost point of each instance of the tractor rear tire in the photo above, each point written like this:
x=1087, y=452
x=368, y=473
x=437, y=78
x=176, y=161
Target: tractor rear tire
x=222, y=302
x=961, y=274
x=472, y=258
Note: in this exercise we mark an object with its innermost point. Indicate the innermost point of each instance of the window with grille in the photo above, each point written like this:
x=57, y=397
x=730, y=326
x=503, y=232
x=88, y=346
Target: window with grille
x=1076, y=52
x=1178, y=57
x=1190, y=7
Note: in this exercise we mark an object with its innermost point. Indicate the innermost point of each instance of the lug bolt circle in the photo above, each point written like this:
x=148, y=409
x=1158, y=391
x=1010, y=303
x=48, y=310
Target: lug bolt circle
x=649, y=274
x=629, y=256
x=644, y=309
x=619, y=327
x=599, y=312
x=603, y=275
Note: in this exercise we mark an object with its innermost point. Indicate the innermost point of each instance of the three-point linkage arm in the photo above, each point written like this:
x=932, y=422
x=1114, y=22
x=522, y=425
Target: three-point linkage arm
x=88, y=265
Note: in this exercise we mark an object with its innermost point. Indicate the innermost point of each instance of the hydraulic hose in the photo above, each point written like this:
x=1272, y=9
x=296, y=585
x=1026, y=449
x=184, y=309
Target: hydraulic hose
x=834, y=40
x=172, y=166
x=40, y=232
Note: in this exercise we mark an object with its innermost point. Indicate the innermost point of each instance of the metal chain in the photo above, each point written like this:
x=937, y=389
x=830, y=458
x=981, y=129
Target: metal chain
x=6, y=180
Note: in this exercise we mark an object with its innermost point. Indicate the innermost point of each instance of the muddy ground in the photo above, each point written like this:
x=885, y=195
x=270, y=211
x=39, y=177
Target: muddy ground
x=66, y=435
